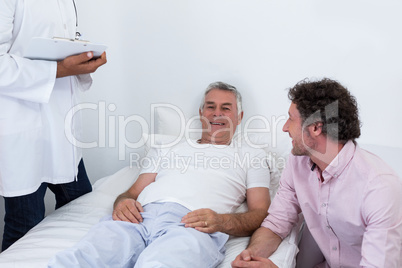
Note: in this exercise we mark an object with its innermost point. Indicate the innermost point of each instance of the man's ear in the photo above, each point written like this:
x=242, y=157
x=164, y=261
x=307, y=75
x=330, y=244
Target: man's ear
x=202, y=119
x=316, y=129
x=240, y=117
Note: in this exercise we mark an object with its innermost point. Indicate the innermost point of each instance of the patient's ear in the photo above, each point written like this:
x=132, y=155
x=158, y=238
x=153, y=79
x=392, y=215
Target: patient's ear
x=202, y=118
x=240, y=117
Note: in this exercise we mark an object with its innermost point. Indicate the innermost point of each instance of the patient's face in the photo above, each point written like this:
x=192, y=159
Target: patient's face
x=219, y=117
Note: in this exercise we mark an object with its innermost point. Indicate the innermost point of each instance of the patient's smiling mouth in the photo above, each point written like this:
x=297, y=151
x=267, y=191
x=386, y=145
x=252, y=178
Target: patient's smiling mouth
x=217, y=124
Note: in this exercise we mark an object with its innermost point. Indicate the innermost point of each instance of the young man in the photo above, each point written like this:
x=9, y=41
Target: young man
x=351, y=200
x=171, y=218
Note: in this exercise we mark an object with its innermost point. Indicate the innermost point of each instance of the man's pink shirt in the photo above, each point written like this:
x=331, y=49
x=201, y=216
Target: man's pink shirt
x=355, y=214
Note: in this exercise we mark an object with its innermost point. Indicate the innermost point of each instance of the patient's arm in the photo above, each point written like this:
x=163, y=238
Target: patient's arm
x=126, y=208
x=239, y=224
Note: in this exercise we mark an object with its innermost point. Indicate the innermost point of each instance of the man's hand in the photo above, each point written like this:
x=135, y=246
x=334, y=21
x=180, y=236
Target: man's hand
x=246, y=259
x=83, y=63
x=204, y=220
x=128, y=209
x=125, y=207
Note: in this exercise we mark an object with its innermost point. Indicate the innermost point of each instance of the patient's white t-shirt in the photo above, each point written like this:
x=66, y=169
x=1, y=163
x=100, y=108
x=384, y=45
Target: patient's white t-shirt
x=204, y=175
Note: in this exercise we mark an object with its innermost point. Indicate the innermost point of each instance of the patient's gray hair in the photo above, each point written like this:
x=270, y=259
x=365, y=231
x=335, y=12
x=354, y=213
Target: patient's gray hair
x=226, y=87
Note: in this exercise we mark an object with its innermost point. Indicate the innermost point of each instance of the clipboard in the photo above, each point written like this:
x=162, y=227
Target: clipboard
x=56, y=48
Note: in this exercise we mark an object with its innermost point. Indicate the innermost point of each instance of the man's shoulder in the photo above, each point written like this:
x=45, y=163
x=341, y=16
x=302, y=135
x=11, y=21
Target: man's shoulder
x=370, y=163
x=372, y=170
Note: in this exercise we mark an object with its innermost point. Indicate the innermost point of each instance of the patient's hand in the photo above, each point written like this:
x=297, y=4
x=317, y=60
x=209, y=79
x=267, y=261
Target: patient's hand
x=204, y=220
x=246, y=259
x=128, y=209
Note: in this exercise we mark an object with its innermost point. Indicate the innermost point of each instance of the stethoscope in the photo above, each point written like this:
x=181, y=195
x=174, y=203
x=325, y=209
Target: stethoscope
x=77, y=34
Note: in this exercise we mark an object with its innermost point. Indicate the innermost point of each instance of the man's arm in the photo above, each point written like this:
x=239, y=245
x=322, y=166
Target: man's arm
x=126, y=207
x=238, y=224
x=263, y=243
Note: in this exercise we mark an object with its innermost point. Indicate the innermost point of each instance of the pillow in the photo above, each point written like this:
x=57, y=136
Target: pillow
x=167, y=119
x=159, y=141
x=277, y=147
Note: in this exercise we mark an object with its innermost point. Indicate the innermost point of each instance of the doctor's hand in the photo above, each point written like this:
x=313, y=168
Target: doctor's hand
x=204, y=220
x=83, y=63
x=246, y=259
x=128, y=209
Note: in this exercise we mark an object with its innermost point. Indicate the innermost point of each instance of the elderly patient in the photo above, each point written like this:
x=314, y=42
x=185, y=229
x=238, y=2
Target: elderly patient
x=171, y=218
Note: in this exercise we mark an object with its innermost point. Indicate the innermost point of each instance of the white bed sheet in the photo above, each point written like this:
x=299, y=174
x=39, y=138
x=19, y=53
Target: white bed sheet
x=65, y=226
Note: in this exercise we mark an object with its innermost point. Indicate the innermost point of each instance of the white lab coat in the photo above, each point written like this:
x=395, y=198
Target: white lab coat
x=33, y=103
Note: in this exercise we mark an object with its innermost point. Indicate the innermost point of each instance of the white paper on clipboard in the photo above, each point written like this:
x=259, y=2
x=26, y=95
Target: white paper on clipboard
x=40, y=48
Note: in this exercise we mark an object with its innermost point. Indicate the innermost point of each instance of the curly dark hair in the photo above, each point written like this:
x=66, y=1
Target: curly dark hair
x=330, y=103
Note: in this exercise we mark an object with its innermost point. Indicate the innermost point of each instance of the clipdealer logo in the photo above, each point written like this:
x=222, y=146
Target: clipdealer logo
x=112, y=128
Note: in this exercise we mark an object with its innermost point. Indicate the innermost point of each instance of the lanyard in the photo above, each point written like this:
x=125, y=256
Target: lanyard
x=77, y=34
x=76, y=14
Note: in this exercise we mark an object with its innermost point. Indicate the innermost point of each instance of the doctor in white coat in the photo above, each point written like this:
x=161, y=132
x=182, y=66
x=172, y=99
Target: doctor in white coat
x=35, y=99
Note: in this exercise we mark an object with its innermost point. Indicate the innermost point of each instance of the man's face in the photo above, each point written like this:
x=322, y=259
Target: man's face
x=219, y=116
x=300, y=139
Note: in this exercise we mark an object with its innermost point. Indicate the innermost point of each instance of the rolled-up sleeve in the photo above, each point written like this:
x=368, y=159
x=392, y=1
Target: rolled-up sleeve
x=284, y=211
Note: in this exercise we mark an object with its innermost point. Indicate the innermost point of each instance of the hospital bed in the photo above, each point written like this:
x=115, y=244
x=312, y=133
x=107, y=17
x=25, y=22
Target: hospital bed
x=67, y=225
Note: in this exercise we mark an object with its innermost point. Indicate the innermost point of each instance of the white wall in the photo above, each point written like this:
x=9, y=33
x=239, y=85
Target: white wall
x=168, y=51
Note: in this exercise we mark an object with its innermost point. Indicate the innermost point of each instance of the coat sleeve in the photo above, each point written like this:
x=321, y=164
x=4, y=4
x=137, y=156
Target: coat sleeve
x=21, y=78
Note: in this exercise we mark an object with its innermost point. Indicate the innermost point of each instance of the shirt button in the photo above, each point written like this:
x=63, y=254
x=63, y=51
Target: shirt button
x=324, y=205
x=334, y=248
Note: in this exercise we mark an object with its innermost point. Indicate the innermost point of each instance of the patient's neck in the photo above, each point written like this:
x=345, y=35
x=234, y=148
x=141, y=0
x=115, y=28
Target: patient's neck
x=214, y=140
